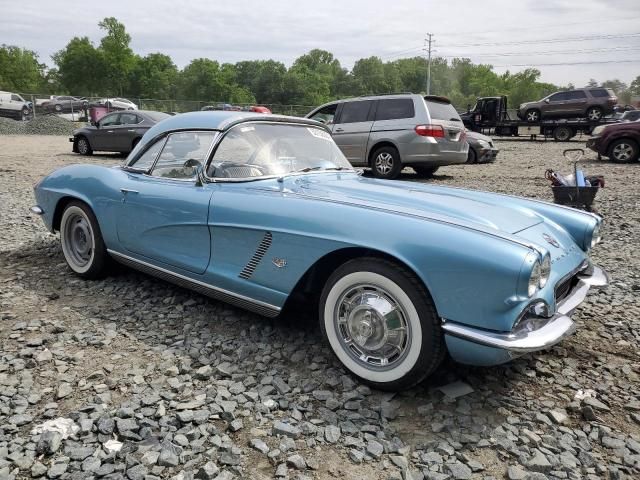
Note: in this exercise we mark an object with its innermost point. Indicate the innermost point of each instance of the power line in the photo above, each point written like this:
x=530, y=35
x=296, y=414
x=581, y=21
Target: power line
x=551, y=52
x=567, y=63
x=586, y=38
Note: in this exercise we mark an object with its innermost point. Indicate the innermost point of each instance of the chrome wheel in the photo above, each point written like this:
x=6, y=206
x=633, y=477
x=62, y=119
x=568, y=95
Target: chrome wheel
x=594, y=114
x=77, y=239
x=83, y=146
x=384, y=163
x=533, y=116
x=622, y=152
x=372, y=326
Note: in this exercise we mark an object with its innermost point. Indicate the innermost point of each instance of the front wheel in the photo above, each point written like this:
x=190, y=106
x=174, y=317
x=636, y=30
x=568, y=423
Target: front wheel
x=381, y=323
x=81, y=241
x=532, y=116
x=624, y=151
x=83, y=146
x=386, y=163
x=562, y=133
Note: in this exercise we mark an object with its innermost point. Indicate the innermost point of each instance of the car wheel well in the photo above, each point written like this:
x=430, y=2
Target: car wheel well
x=312, y=282
x=60, y=206
x=376, y=147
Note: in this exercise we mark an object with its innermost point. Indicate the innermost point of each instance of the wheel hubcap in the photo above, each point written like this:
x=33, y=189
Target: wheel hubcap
x=594, y=114
x=82, y=146
x=384, y=163
x=532, y=116
x=623, y=151
x=372, y=326
x=79, y=240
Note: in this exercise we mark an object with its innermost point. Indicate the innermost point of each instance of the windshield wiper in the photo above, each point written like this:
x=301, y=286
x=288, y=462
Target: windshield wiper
x=310, y=169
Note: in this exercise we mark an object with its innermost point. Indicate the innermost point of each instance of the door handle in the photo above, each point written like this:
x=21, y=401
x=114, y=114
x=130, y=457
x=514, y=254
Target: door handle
x=109, y=131
x=130, y=130
x=127, y=190
x=339, y=130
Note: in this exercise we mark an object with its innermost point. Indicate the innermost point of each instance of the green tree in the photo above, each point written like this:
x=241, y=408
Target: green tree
x=20, y=70
x=81, y=67
x=154, y=76
x=634, y=88
x=119, y=59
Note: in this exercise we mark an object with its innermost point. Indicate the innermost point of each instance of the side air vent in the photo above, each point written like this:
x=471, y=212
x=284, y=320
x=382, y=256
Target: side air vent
x=250, y=267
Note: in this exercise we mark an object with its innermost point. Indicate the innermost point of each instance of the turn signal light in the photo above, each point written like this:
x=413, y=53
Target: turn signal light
x=430, y=131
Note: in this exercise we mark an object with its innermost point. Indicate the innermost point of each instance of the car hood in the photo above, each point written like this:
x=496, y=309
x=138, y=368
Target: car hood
x=478, y=136
x=86, y=129
x=408, y=198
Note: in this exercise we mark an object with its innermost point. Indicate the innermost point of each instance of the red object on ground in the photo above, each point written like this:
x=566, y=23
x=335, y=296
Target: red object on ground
x=260, y=109
x=96, y=113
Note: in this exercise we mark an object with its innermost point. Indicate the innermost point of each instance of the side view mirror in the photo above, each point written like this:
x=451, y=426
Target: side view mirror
x=468, y=108
x=546, y=100
x=200, y=180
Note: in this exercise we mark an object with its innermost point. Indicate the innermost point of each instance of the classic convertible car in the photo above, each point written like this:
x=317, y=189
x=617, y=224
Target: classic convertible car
x=252, y=209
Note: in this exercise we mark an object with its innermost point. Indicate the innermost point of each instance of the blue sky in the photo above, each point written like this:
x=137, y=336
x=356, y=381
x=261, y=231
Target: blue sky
x=509, y=33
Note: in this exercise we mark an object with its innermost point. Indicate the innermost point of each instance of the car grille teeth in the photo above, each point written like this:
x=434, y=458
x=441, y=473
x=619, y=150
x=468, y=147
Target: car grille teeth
x=251, y=266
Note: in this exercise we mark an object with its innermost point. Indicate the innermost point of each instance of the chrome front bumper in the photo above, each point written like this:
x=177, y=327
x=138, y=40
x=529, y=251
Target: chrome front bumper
x=534, y=332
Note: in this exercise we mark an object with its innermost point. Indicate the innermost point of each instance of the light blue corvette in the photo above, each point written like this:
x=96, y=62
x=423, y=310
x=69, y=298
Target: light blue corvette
x=256, y=210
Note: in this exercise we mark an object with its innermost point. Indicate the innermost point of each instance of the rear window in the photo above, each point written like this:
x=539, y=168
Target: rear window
x=442, y=111
x=600, y=92
x=353, y=112
x=394, y=108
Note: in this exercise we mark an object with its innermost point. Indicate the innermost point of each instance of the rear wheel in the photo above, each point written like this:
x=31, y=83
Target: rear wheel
x=532, y=116
x=425, y=171
x=81, y=241
x=381, y=323
x=57, y=107
x=594, y=114
x=562, y=133
x=83, y=146
x=624, y=150
x=385, y=163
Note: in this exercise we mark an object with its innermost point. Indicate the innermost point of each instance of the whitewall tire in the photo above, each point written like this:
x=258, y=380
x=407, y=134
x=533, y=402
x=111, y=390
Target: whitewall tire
x=81, y=241
x=381, y=324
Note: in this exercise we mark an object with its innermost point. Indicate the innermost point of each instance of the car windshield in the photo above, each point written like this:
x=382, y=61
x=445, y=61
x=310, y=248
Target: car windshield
x=260, y=149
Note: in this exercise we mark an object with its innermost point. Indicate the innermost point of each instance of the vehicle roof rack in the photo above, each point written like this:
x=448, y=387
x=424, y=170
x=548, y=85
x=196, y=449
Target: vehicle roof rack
x=384, y=94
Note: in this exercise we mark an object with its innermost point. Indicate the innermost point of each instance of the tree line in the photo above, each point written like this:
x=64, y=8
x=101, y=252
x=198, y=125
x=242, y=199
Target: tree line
x=112, y=68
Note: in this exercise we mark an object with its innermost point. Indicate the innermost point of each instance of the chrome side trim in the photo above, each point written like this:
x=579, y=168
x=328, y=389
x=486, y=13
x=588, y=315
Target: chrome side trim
x=217, y=293
x=257, y=257
x=534, y=333
x=37, y=210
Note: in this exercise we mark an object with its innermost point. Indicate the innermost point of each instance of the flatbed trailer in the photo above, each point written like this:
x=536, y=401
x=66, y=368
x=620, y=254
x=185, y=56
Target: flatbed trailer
x=490, y=116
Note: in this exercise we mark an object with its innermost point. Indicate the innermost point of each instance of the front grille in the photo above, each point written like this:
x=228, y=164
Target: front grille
x=564, y=287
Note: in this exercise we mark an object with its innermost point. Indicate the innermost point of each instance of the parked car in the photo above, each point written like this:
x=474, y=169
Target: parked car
x=115, y=132
x=591, y=103
x=260, y=210
x=390, y=132
x=65, y=104
x=630, y=116
x=14, y=106
x=481, y=148
x=255, y=108
x=117, y=104
x=221, y=106
x=618, y=141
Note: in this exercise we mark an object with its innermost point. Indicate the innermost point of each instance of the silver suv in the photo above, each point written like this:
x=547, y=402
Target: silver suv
x=389, y=132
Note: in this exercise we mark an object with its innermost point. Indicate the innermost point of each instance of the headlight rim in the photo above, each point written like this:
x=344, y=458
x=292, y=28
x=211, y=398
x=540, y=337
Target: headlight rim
x=545, y=271
x=534, y=279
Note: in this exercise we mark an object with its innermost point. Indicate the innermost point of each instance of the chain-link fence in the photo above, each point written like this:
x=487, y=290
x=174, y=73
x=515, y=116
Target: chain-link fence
x=75, y=106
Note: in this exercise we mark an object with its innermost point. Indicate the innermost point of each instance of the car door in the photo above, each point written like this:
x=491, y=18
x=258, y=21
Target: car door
x=556, y=104
x=126, y=131
x=164, y=211
x=351, y=130
x=576, y=103
x=102, y=139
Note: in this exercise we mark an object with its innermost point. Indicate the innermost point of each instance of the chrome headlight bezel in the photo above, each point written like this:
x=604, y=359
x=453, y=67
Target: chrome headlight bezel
x=545, y=271
x=593, y=236
x=534, y=279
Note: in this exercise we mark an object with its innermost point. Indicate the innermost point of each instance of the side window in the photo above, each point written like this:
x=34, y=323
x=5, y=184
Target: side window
x=601, y=92
x=129, y=119
x=353, y=112
x=558, y=97
x=394, y=108
x=110, y=120
x=145, y=161
x=325, y=115
x=576, y=95
x=182, y=154
x=15, y=98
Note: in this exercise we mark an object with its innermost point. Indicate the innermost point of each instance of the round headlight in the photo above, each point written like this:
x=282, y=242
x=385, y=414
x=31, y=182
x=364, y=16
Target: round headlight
x=545, y=270
x=534, y=279
x=595, y=236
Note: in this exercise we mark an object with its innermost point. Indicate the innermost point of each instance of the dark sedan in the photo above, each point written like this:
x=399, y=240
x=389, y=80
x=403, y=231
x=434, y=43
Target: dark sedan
x=115, y=132
x=65, y=104
x=481, y=148
x=618, y=141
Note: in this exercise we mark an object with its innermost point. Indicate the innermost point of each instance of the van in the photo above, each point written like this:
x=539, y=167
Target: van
x=14, y=106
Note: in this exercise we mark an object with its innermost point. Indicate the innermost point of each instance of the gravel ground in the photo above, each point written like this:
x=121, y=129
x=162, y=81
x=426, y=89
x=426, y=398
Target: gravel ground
x=160, y=382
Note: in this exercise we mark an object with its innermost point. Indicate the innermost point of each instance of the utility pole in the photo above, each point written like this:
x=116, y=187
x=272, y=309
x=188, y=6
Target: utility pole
x=427, y=47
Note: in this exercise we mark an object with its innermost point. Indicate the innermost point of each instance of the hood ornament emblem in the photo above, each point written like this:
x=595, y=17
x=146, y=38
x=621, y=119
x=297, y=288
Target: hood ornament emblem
x=279, y=262
x=551, y=240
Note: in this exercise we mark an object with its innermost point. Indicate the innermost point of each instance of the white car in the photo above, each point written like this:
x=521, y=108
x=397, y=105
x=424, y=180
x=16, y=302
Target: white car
x=13, y=105
x=118, y=103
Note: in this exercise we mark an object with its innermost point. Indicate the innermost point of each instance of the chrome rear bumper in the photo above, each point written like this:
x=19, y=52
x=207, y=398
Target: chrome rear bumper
x=534, y=332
